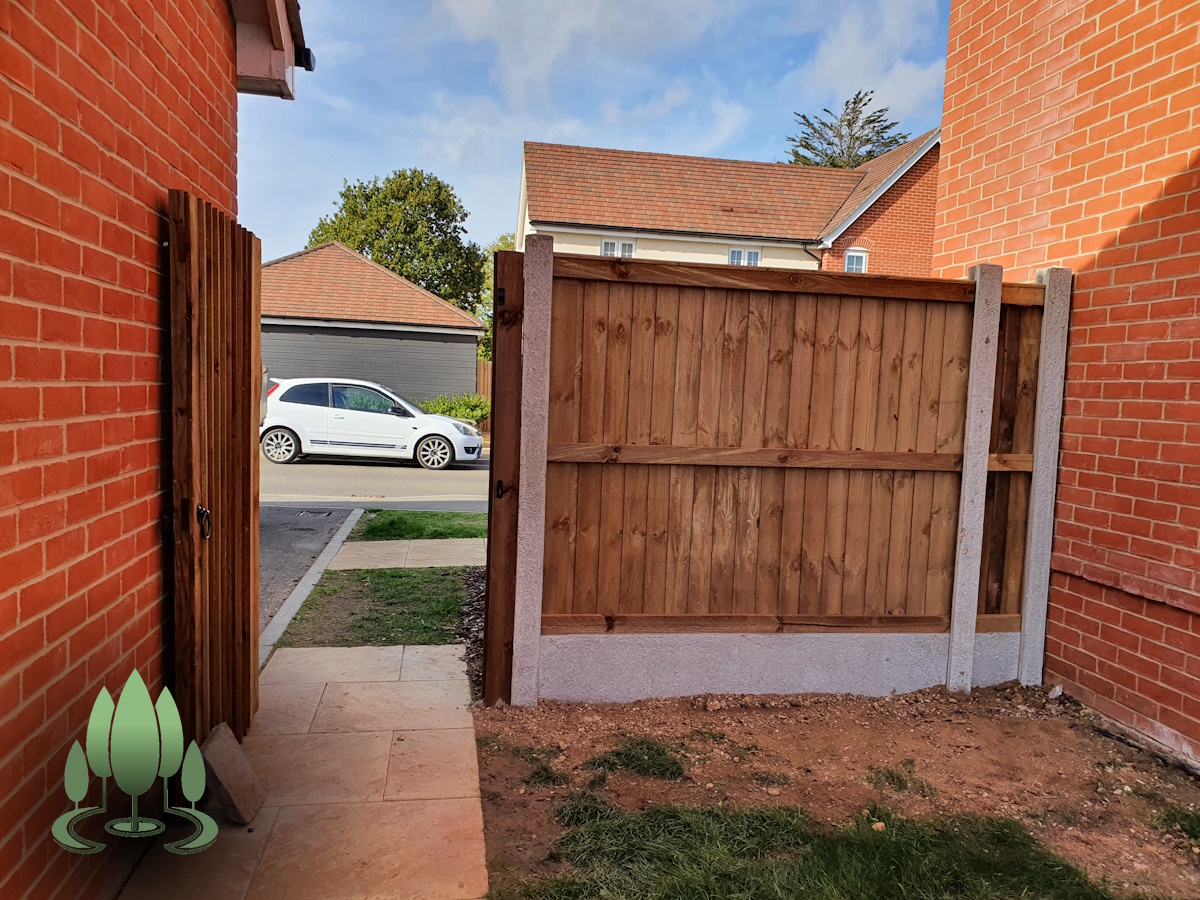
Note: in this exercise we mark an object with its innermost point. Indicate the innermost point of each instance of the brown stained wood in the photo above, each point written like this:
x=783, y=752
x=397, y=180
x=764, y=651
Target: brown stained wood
x=683, y=432
x=725, y=495
x=255, y=315
x=641, y=376
x=841, y=438
x=1018, y=498
x=951, y=427
x=658, y=482
x=593, y=356
x=791, y=559
x=776, y=403
x=238, y=420
x=862, y=437
x=887, y=418
x=820, y=425
x=907, y=422
x=743, y=623
x=995, y=513
x=749, y=479
x=765, y=457
x=708, y=410
x=922, y=508
x=208, y=288
x=505, y=475
x=616, y=425
x=558, y=561
x=997, y=624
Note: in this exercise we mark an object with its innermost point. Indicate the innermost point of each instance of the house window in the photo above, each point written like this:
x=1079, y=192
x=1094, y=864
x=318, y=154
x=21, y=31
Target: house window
x=856, y=260
x=617, y=248
x=742, y=256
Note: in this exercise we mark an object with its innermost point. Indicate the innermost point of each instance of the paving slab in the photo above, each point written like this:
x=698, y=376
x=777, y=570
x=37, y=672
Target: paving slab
x=322, y=665
x=440, y=764
x=411, y=554
x=286, y=708
x=436, y=662
x=385, y=706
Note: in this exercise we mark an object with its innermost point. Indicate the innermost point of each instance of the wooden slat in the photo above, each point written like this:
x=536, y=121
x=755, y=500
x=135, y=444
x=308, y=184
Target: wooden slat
x=658, y=480
x=558, y=562
x=240, y=424
x=616, y=424
x=749, y=478
x=741, y=623
x=922, y=507
x=707, y=431
x=641, y=375
x=683, y=432
x=841, y=438
x=768, y=457
x=594, y=353
x=733, y=383
x=997, y=624
x=862, y=436
x=1018, y=497
x=791, y=539
x=255, y=318
x=887, y=418
x=776, y=404
x=816, y=484
x=505, y=475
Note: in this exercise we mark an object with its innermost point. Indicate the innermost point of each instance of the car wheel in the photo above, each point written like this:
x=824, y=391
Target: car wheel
x=280, y=445
x=435, y=452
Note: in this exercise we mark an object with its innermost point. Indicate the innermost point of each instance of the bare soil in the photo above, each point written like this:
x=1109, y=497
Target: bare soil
x=1007, y=752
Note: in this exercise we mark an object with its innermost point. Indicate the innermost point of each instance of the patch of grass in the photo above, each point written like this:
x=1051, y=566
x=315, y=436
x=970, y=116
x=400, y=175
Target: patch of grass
x=670, y=852
x=1176, y=818
x=641, y=756
x=542, y=775
x=379, y=607
x=902, y=780
x=410, y=525
x=536, y=755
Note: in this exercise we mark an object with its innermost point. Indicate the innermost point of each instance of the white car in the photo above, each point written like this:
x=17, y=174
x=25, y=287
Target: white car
x=348, y=417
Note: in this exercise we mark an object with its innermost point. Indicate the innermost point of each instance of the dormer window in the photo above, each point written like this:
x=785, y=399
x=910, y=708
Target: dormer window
x=744, y=256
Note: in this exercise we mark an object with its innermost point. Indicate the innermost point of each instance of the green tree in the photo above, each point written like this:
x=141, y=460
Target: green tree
x=412, y=223
x=135, y=750
x=75, y=776
x=171, y=731
x=845, y=140
x=99, y=733
x=486, y=296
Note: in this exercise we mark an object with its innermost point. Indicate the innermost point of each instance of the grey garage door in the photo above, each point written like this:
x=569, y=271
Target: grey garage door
x=412, y=364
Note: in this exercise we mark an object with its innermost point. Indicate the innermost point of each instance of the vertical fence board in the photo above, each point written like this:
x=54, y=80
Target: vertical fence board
x=749, y=479
x=641, y=374
x=733, y=383
x=658, y=480
x=683, y=433
x=712, y=345
x=616, y=423
x=776, y=403
x=883, y=483
x=931, y=390
x=820, y=429
x=900, y=533
x=862, y=437
x=593, y=356
x=791, y=538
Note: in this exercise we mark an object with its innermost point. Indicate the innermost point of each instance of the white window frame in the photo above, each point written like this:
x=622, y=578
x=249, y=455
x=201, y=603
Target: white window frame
x=744, y=256
x=619, y=244
x=856, y=251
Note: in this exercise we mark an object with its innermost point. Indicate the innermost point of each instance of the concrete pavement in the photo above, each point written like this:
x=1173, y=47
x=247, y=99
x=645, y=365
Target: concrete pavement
x=419, y=554
x=290, y=538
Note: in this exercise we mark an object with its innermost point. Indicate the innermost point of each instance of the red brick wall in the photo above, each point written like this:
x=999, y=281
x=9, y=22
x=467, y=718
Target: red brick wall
x=102, y=108
x=897, y=231
x=1069, y=138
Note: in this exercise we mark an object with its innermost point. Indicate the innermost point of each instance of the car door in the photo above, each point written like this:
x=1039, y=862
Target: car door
x=361, y=423
x=305, y=409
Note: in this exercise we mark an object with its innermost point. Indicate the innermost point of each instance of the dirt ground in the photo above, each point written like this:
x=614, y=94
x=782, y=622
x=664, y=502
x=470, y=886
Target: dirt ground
x=1006, y=752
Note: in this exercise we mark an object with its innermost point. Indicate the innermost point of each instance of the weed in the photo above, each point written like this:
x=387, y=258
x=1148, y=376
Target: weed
x=901, y=780
x=542, y=775
x=774, y=778
x=536, y=755
x=641, y=756
x=597, y=781
x=1177, y=818
x=777, y=852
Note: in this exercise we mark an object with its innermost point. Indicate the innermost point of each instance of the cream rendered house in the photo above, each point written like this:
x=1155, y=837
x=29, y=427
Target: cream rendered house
x=659, y=206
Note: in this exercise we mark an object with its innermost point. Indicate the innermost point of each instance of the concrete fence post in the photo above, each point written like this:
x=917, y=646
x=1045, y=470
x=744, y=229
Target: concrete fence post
x=531, y=494
x=977, y=434
x=1039, y=534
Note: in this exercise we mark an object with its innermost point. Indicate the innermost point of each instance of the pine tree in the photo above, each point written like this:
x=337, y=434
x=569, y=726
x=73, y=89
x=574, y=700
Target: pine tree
x=846, y=140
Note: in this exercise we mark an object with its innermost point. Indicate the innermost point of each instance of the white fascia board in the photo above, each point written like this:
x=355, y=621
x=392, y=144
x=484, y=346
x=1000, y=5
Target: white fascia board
x=925, y=147
x=370, y=326
x=668, y=235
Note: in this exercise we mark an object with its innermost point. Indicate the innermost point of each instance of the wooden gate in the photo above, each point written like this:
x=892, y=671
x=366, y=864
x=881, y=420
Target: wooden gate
x=215, y=392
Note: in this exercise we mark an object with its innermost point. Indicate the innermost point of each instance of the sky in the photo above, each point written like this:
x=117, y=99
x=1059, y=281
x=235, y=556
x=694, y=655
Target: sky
x=455, y=86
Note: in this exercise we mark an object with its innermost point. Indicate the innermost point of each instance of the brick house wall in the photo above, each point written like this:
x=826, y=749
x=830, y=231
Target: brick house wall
x=102, y=108
x=1069, y=138
x=897, y=229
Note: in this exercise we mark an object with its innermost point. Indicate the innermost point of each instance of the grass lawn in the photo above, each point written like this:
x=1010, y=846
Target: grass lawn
x=407, y=525
x=777, y=852
x=379, y=607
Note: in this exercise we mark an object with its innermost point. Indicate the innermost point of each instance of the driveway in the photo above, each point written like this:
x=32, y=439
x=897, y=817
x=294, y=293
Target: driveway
x=290, y=539
x=317, y=481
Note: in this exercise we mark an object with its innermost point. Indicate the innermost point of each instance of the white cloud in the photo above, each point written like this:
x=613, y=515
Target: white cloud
x=870, y=47
x=534, y=38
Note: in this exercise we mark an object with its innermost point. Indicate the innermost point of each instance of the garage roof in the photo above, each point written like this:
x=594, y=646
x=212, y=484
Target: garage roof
x=331, y=282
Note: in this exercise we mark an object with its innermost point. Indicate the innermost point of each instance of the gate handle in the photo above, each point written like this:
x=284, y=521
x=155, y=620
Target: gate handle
x=500, y=489
x=204, y=520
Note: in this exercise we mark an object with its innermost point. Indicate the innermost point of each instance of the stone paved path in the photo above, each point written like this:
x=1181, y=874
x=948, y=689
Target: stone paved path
x=411, y=554
x=368, y=757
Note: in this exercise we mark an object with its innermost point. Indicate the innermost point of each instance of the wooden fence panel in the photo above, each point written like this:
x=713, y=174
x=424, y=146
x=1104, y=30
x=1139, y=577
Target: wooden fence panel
x=752, y=444
x=483, y=387
x=216, y=383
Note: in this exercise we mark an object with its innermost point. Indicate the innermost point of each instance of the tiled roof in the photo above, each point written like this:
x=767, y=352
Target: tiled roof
x=333, y=282
x=682, y=194
x=624, y=189
x=875, y=172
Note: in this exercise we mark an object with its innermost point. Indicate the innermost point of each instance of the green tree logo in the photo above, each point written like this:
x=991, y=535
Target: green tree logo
x=133, y=742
